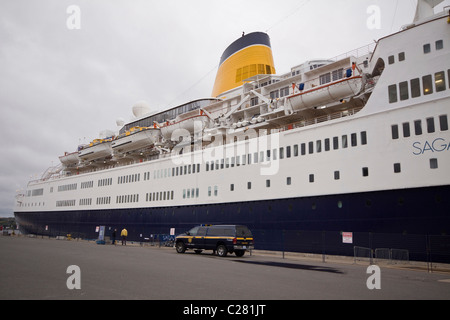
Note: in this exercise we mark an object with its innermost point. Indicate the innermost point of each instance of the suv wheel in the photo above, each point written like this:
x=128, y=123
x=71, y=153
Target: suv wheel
x=239, y=253
x=181, y=248
x=222, y=250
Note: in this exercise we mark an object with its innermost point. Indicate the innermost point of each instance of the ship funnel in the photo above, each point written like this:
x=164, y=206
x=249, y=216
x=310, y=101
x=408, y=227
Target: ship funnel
x=248, y=56
x=425, y=9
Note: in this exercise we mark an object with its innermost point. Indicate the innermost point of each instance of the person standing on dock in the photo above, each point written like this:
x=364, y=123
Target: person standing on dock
x=113, y=237
x=124, y=235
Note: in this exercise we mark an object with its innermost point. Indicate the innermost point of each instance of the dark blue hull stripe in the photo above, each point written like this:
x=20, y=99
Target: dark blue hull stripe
x=421, y=211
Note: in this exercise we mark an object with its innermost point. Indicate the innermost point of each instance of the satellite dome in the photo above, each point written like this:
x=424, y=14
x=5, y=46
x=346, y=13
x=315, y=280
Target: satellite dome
x=141, y=108
x=120, y=122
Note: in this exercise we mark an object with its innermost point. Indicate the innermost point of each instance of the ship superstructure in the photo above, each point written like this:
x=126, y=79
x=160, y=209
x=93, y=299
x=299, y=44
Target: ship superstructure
x=359, y=142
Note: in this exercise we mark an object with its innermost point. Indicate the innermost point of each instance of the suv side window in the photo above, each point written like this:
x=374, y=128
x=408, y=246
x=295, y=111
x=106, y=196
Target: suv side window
x=242, y=231
x=216, y=232
x=201, y=231
x=193, y=231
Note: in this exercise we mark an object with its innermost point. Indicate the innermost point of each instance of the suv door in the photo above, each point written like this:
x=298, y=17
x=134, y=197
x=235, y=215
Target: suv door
x=198, y=241
x=211, y=238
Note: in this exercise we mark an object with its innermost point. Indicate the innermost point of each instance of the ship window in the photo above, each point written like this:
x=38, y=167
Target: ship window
x=344, y=141
x=295, y=150
x=392, y=93
x=401, y=56
x=363, y=138
x=303, y=149
x=418, y=127
x=274, y=154
x=391, y=59
x=267, y=183
x=232, y=187
x=354, y=139
x=395, y=132
x=335, y=143
x=288, y=151
x=448, y=71
x=311, y=178
x=319, y=146
x=337, y=175
x=415, y=88
x=327, y=144
x=433, y=163
x=284, y=92
x=427, y=84
x=404, y=94
x=249, y=185
x=443, y=122
x=439, y=80
x=439, y=44
x=209, y=191
x=338, y=74
x=245, y=72
x=397, y=168
x=325, y=78
x=253, y=70
x=426, y=48
x=365, y=172
x=406, y=130
x=430, y=125
x=281, y=153
x=260, y=69
x=311, y=147
x=288, y=181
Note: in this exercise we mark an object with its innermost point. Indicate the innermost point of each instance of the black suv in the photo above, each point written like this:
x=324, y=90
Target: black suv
x=222, y=239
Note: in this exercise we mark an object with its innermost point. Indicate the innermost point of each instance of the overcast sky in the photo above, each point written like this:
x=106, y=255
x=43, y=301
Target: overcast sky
x=60, y=87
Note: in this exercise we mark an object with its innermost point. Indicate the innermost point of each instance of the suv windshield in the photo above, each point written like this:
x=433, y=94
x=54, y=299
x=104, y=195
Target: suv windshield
x=242, y=231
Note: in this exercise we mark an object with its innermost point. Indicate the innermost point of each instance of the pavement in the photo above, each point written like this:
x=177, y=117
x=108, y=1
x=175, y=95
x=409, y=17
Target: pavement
x=43, y=269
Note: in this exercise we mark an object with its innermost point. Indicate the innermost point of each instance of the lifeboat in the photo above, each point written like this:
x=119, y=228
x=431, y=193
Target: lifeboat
x=97, y=149
x=192, y=124
x=325, y=94
x=69, y=159
x=134, y=139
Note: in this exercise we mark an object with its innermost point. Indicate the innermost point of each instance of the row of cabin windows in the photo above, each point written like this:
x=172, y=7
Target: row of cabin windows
x=416, y=87
x=67, y=187
x=104, y=182
x=418, y=130
x=173, y=172
x=103, y=200
x=128, y=198
x=317, y=146
x=87, y=184
x=129, y=178
x=65, y=203
x=159, y=196
x=191, y=193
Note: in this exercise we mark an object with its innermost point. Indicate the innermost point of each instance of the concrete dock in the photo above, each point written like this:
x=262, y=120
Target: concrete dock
x=36, y=268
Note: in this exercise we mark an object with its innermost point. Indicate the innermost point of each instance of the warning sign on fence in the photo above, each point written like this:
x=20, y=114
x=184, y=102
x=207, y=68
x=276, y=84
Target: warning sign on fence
x=347, y=237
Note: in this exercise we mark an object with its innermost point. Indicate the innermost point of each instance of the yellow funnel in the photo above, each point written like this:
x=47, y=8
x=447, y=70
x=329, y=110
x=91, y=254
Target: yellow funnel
x=246, y=57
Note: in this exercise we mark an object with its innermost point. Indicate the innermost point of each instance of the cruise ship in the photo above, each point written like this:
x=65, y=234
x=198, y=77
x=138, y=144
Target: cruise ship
x=357, y=143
